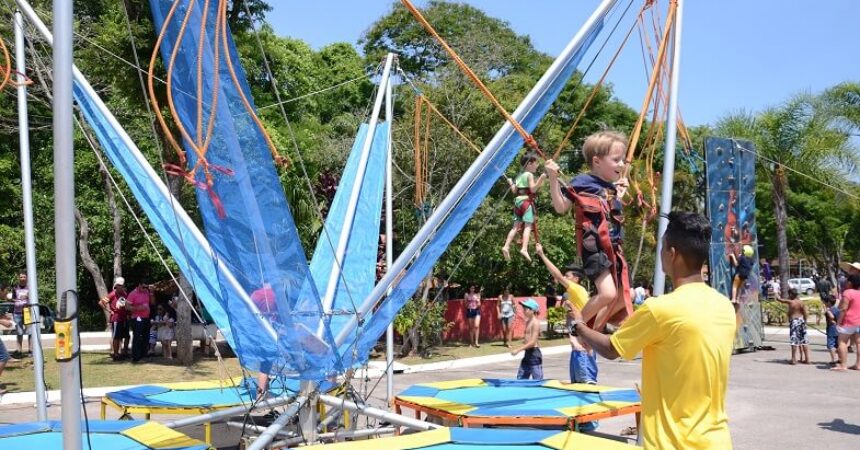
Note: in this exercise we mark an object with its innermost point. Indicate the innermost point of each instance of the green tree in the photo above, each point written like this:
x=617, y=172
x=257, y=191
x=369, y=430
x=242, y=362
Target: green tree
x=810, y=133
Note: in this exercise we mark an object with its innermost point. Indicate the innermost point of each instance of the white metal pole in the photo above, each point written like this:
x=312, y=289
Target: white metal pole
x=272, y=431
x=64, y=218
x=389, y=242
x=377, y=413
x=343, y=239
x=669, y=154
x=29, y=240
x=454, y=196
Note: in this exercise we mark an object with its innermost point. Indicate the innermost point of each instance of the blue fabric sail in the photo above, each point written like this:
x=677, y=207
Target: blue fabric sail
x=256, y=235
x=192, y=256
x=358, y=265
x=403, y=285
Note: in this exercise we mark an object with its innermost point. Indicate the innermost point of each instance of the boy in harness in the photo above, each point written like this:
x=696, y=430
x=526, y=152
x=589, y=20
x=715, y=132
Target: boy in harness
x=595, y=198
x=525, y=187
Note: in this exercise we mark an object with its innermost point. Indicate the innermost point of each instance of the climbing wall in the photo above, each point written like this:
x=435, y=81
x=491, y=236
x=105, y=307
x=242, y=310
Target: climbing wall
x=730, y=168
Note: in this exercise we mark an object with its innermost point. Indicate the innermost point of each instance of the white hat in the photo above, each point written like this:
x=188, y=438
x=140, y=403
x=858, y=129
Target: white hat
x=119, y=281
x=850, y=267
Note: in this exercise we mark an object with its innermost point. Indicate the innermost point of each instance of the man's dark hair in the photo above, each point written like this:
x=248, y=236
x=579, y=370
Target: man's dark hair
x=854, y=279
x=792, y=293
x=689, y=234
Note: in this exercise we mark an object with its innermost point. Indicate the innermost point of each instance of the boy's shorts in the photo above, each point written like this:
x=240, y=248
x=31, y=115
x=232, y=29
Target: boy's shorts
x=832, y=339
x=594, y=260
x=119, y=330
x=583, y=367
x=19, y=324
x=797, y=332
x=528, y=215
x=535, y=372
x=4, y=354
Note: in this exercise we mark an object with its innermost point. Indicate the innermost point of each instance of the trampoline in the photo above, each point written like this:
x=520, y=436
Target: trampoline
x=193, y=398
x=529, y=403
x=480, y=439
x=104, y=434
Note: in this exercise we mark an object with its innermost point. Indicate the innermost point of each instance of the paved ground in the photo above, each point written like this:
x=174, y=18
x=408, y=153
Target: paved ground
x=771, y=404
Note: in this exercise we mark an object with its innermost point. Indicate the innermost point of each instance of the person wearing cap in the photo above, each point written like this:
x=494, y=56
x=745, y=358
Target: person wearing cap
x=583, y=360
x=743, y=266
x=114, y=303
x=532, y=364
x=686, y=339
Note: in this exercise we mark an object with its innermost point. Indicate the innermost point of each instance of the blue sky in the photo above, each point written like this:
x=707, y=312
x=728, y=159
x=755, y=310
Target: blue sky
x=736, y=54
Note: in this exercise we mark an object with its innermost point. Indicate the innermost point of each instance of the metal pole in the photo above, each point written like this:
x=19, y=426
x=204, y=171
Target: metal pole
x=389, y=243
x=308, y=412
x=276, y=426
x=242, y=409
x=343, y=239
x=29, y=240
x=669, y=154
x=377, y=413
x=64, y=218
x=481, y=162
x=338, y=435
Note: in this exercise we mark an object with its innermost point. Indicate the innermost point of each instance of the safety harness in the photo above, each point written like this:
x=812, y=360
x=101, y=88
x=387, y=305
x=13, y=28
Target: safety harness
x=585, y=207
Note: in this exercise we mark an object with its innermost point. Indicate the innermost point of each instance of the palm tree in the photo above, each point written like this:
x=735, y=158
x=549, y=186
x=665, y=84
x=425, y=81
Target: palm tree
x=811, y=134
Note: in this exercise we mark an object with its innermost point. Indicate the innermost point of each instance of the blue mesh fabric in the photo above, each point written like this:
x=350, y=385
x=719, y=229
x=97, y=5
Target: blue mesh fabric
x=257, y=238
x=193, y=258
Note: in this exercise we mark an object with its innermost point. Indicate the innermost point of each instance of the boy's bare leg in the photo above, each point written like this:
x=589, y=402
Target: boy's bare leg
x=793, y=354
x=843, y=353
x=506, y=249
x=856, y=338
x=524, y=250
x=606, y=293
x=805, y=356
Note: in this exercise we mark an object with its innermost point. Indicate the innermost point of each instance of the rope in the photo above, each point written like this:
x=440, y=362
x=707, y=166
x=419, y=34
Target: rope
x=599, y=83
x=527, y=137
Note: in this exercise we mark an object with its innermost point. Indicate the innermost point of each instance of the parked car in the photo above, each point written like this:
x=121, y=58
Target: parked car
x=803, y=285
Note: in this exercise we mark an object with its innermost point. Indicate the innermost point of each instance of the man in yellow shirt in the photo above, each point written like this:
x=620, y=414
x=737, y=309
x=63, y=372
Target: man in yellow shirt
x=686, y=340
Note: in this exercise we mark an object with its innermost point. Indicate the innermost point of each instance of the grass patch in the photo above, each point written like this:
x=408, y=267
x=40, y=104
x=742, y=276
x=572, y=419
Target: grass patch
x=99, y=370
x=461, y=350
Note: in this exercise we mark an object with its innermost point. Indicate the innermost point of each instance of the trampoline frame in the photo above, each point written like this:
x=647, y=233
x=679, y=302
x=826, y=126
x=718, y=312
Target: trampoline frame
x=465, y=420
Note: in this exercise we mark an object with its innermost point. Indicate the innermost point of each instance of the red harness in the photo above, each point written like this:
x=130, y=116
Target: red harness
x=520, y=211
x=586, y=205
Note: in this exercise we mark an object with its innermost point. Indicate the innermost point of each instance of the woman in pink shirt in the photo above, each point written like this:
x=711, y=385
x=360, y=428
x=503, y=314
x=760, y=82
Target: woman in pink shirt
x=848, y=326
x=473, y=313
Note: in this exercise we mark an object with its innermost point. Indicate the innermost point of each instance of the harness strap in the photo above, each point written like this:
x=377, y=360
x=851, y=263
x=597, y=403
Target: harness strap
x=519, y=211
x=584, y=204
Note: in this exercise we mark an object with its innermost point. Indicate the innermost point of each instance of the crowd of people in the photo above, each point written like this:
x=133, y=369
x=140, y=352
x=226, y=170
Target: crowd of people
x=138, y=321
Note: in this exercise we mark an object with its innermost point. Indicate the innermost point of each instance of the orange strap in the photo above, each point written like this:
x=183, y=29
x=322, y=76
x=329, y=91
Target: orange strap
x=527, y=137
x=202, y=138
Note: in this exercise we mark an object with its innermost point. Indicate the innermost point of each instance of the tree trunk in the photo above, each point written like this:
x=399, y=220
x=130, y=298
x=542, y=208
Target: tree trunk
x=117, y=222
x=412, y=340
x=781, y=218
x=88, y=261
x=184, y=343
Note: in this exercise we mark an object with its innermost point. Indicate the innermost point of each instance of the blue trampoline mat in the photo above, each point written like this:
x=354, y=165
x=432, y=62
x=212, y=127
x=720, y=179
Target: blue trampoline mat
x=518, y=398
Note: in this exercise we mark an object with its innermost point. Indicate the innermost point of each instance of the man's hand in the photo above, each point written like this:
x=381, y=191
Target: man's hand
x=551, y=168
x=515, y=351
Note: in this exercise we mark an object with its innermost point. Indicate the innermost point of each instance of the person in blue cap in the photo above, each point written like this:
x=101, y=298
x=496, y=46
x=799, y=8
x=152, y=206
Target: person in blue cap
x=532, y=364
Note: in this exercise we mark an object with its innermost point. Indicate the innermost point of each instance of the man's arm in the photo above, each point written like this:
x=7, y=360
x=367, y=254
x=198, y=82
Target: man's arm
x=561, y=203
x=553, y=270
x=803, y=310
x=597, y=340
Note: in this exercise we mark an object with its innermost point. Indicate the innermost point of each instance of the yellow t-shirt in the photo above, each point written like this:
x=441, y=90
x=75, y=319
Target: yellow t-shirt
x=576, y=295
x=686, y=339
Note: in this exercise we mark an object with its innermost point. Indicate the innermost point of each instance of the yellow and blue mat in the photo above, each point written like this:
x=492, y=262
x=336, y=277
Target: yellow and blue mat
x=103, y=434
x=518, y=402
x=483, y=439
